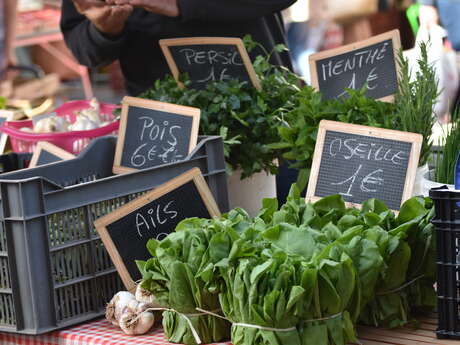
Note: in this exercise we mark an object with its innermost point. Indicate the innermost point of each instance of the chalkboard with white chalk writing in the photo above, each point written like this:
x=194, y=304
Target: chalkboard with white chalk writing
x=361, y=163
x=371, y=64
x=154, y=133
x=126, y=231
x=207, y=59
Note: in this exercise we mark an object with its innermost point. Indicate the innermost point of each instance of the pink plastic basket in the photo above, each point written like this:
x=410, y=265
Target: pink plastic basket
x=72, y=142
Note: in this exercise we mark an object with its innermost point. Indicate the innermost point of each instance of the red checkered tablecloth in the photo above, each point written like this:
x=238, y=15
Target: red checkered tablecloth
x=99, y=332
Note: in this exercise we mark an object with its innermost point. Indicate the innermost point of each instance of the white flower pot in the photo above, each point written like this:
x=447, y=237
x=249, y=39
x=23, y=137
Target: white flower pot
x=248, y=193
x=424, y=182
x=420, y=180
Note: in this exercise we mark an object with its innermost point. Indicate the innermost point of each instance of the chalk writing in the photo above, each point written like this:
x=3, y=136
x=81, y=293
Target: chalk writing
x=360, y=167
x=356, y=61
x=206, y=63
x=372, y=66
x=352, y=148
x=211, y=57
x=164, y=137
x=155, y=216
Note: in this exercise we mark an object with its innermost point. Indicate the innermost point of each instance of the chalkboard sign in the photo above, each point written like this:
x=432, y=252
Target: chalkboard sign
x=46, y=153
x=5, y=115
x=207, y=59
x=360, y=163
x=371, y=62
x=126, y=231
x=154, y=133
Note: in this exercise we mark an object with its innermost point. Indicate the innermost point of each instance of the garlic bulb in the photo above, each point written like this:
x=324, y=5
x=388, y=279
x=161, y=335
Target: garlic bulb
x=145, y=296
x=51, y=124
x=92, y=113
x=118, y=305
x=136, y=324
x=83, y=124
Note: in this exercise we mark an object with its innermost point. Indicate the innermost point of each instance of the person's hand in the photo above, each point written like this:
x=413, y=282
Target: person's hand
x=108, y=19
x=164, y=7
x=428, y=16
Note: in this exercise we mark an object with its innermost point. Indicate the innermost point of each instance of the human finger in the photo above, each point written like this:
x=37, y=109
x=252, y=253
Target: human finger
x=84, y=5
x=137, y=3
x=122, y=11
x=120, y=2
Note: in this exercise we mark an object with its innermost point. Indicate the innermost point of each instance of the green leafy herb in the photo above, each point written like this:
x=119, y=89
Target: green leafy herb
x=445, y=162
x=416, y=99
x=412, y=112
x=246, y=117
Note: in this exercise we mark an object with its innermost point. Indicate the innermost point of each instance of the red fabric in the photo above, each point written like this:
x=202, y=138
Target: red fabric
x=99, y=332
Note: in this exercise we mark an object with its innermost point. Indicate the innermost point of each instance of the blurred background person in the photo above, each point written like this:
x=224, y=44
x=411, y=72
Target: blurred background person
x=445, y=11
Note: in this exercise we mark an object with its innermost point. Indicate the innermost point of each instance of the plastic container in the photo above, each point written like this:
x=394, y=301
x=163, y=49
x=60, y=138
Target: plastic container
x=447, y=223
x=54, y=269
x=74, y=141
x=14, y=161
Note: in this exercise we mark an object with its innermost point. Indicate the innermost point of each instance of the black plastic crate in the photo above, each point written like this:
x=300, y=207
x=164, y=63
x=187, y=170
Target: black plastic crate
x=447, y=223
x=54, y=269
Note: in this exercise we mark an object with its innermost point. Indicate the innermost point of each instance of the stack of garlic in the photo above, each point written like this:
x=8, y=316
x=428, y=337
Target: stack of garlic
x=131, y=313
x=86, y=119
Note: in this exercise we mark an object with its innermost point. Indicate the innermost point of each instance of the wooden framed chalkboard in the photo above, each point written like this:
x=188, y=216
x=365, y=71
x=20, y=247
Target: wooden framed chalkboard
x=207, y=59
x=154, y=133
x=46, y=153
x=360, y=163
x=372, y=62
x=5, y=115
x=126, y=231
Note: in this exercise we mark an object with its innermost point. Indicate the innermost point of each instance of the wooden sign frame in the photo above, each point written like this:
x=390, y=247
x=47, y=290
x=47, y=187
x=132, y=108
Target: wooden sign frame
x=101, y=224
x=238, y=42
x=8, y=116
x=194, y=113
x=326, y=125
x=393, y=35
x=53, y=149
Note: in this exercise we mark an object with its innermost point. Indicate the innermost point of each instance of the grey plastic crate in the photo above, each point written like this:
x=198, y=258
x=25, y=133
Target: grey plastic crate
x=54, y=269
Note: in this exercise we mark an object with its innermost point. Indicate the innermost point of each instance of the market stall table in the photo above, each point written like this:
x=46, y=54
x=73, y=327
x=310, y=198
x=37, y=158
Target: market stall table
x=98, y=332
x=42, y=28
x=101, y=332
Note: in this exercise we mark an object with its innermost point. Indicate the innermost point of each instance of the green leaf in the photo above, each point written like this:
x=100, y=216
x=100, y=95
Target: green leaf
x=302, y=178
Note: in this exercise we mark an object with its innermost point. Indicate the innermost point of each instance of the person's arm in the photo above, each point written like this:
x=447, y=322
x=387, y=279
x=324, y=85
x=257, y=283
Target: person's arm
x=10, y=27
x=210, y=10
x=229, y=10
x=90, y=46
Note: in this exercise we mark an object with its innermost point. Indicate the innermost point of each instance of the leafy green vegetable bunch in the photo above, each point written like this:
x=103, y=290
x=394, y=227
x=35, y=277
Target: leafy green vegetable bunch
x=394, y=256
x=300, y=274
x=278, y=296
x=245, y=117
x=406, y=285
x=170, y=276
